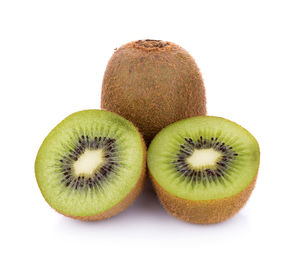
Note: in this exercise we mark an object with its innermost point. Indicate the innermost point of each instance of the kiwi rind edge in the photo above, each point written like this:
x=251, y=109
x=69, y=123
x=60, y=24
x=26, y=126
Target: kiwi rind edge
x=205, y=211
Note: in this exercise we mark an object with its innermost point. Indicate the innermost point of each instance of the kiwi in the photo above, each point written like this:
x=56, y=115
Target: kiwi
x=203, y=168
x=92, y=165
x=153, y=83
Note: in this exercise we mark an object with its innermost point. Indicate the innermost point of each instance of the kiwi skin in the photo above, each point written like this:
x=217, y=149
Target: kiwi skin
x=206, y=211
x=153, y=84
x=124, y=203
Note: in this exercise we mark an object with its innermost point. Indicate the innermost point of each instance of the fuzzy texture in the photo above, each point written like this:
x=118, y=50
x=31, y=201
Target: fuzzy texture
x=206, y=211
x=126, y=202
x=153, y=84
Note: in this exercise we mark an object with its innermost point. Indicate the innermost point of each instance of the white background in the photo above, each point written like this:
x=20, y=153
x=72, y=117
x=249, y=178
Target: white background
x=52, y=58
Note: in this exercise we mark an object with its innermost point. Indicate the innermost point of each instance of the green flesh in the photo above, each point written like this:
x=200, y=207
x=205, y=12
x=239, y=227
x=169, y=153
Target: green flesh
x=240, y=170
x=113, y=187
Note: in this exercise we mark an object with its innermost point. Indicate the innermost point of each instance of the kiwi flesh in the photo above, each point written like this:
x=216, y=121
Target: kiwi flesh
x=203, y=168
x=153, y=83
x=92, y=165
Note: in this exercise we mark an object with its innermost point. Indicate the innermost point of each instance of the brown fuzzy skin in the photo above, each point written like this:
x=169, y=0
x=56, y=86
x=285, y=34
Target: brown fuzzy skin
x=153, y=84
x=126, y=202
x=206, y=211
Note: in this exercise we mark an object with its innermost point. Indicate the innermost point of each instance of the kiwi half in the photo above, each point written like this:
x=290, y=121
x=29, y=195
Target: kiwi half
x=153, y=83
x=203, y=168
x=92, y=165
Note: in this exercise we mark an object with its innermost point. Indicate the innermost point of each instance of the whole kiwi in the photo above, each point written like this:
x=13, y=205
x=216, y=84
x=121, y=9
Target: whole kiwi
x=153, y=83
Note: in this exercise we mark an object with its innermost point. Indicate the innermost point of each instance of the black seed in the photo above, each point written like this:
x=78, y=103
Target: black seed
x=219, y=173
x=95, y=181
x=73, y=184
x=104, y=172
x=235, y=154
x=81, y=183
x=104, y=168
x=184, y=152
x=187, y=172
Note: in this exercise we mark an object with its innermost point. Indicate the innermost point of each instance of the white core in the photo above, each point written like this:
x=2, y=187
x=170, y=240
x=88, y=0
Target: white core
x=204, y=158
x=88, y=162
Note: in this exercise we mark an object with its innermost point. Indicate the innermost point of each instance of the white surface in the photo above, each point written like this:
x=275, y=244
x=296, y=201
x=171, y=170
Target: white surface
x=203, y=158
x=88, y=162
x=52, y=58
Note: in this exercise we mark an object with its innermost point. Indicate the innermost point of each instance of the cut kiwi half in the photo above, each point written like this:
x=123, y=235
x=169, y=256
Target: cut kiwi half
x=92, y=165
x=203, y=168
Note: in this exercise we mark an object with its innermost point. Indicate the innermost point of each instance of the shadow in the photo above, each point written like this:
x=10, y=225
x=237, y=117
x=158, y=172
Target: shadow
x=147, y=218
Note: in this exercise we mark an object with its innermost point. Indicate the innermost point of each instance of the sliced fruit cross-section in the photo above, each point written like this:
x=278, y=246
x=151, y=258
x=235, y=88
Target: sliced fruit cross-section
x=92, y=165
